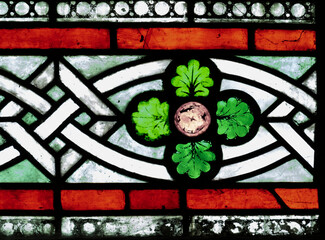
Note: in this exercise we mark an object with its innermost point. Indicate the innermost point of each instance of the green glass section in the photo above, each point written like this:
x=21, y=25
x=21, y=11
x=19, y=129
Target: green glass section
x=90, y=66
x=122, y=98
x=291, y=171
x=24, y=171
x=57, y=144
x=55, y=93
x=1, y=98
x=83, y=119
x=2, y=140
x=21, y=66
x=151, y=120
x=293, y=67
x=122, y=138
x=233, y=118
x=29, y=118
x=193, y=158
x=192, y=80
x=300, y=118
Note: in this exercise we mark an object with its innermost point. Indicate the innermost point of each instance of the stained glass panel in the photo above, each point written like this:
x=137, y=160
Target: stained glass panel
x=178, y=119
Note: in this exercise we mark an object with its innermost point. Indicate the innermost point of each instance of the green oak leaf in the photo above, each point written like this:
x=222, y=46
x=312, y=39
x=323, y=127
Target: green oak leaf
x=151, y=120
x=192, y=80
x=193, y=158
x=233, y=118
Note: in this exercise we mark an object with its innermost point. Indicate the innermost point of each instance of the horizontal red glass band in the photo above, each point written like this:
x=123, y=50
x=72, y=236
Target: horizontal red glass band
x=182, y=38
x=154, y=199
x=231, y=199
x=303, y=198
x=26, y=199
x=47, y=38
x=285, y=40
x=92, y=199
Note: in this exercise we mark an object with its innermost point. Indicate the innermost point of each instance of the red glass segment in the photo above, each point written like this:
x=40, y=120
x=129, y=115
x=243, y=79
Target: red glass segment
x=231, y=199
x=304, y=198
x=92, y=200
x=154, y=199
x=26, y=199
x=285, y=40
x=182, y=38
x=47, y=38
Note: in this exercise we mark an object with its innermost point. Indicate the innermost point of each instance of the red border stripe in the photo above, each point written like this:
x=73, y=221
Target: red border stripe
x=302, y=198
x=231, y=199
x=48, y=38
x=182, y=38
x=92, y=200
x=154, y=199
x=26, y=199
x=285, y=40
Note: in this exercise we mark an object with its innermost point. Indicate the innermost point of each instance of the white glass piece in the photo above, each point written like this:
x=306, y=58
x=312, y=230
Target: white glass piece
x=277, y=9
x=291, y=171
x=10, y=110
x=42, y=8
x=161, y=8
x=282, y=110
x=114, y=158
x=252, y=164
x=7, y=154
x=100, y=128
x=122, y=139
x=298, y=10
x=300, y=118
x=123, y=226
x=123, y=98
x=200, y=8
x=267, y=79
x=90, y=66
x=130, y=74
x=311, y=82
x=44, y=78
x=55, y=120
x=3, y=8
x=297, y=142
x=63, y=8
x=180, y=8
x=239, y=9
x=24, y=94
x=91, y=172
x=83, y=8
x=122, y=8
x=22, y=8
x=219, y=8
x=21, y=66
x=310, y=132
x=263, y=98
x=84, y=94
x=30, y=145
x=258, y=9
x=141, y=8
x=68, y=159
x=102, y=9
x=262, y=139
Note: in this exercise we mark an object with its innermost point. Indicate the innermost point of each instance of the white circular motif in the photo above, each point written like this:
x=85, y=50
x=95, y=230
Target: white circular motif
x=200, y=8
x=22, y=8
x=63, y=9
x=122, y=8
x=277, y=9
x=180, y=8
x=298, y=10
x=83, y=8
x=3, y=8
x=141, y=8
x=102, y=9
x=239, y=9
x=42, y=8
x=161, y=8
x=258, y=9
x=219, y=8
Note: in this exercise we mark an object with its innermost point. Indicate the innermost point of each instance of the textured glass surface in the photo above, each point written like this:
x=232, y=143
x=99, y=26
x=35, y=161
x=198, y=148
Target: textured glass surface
x=160, y=119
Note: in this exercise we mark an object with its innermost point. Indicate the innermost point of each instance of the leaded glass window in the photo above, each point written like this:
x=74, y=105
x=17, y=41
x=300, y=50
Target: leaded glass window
x=173, y=119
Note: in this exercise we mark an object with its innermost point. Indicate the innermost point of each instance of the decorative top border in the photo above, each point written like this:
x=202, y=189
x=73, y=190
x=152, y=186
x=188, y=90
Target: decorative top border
x=158, y=11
